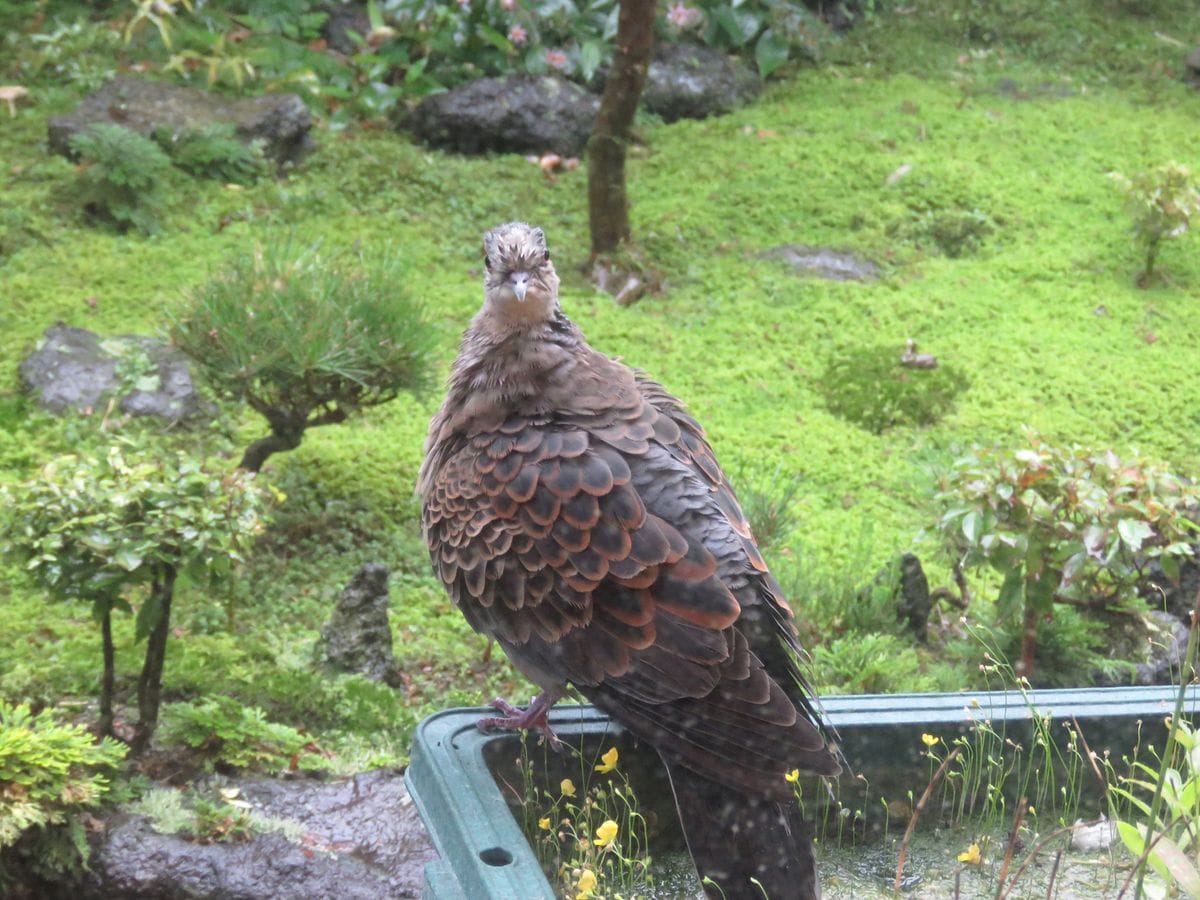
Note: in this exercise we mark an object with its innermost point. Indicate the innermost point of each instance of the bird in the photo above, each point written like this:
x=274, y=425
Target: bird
x=577, y=515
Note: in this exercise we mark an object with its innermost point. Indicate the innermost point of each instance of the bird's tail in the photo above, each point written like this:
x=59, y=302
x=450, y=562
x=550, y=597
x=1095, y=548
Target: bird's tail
x=745, y=847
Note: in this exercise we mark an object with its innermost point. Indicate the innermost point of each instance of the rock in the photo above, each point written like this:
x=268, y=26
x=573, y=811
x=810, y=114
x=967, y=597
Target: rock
x=515, y=114
x=281, y=121
x=74, y=369
x=824, y=262
x=358, y=838
x=913, y=600
x=1176, y=597
x=907, y=589
x=690, y=81
x=1155, y=642
x=1092, y=837
x=357, y=637
x=344, y=19
x=1191, y=67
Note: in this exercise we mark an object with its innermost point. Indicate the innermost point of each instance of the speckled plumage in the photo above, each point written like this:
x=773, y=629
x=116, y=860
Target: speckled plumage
x=577, y=514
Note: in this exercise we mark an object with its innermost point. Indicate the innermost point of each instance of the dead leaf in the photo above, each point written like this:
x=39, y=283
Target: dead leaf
x=898, y=175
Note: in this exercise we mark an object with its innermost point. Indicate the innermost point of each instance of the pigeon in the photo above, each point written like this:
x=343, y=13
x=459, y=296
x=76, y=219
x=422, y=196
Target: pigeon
x=577, y=515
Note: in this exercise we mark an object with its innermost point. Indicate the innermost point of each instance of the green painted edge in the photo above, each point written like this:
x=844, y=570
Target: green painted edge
x=467, y=816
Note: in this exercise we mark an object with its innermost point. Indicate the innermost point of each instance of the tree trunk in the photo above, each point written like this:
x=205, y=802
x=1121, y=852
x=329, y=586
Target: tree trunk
x=1028, y=641
x=150, y=682
x=608, y=204
x=108, y=677
x=260, y=451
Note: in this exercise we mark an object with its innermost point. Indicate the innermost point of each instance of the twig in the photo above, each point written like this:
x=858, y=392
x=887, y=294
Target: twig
x=1033, y=854
x=1011, y=846
x=1090, y=756
x=912, y=822
x=1053, y=875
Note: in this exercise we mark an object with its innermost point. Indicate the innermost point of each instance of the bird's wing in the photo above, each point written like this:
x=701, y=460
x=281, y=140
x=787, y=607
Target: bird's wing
x=607, y=550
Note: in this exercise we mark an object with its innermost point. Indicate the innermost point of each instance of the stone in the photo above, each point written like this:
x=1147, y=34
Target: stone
x=360, y=838
x=1154, y=641
x=343, y=20
x=1191, y=67
x=824, y=262
x=913, y=601
x=906, y=589
x=515, y=114
x=1176, y=596
x=280, y=121
x=74, y=369
x=690, y=81
x=357, y=637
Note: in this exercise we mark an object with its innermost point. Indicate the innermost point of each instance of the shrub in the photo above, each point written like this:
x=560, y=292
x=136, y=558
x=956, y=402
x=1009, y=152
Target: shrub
x=869, y=663
x=234, y=737
x=122, y=177
x=49, y=773
x=80, y=53
x=770, y=505
x=93, y=529
x=454, y=41
x=871, y=388
x=1064, y=525
x=1161, y=203
x=305, y=341
x=214, y=151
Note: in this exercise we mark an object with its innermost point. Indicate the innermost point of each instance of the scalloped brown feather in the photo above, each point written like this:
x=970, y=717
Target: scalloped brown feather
x=577, y=514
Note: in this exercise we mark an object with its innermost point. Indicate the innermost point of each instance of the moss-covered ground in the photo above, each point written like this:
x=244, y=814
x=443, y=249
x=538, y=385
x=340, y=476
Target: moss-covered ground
x=926, y=120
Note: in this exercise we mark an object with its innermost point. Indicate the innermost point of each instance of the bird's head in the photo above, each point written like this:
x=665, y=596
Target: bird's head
x=521, y=285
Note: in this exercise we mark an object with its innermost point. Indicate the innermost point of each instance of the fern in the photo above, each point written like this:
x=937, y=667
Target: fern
x=123, y=177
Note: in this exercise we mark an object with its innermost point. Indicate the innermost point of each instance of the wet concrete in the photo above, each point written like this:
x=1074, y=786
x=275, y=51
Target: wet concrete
x=359, y=837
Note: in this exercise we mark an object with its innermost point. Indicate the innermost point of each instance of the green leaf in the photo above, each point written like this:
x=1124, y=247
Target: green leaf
x=495, y=38
x=1177, y=863
x=148, y=616
x=127, y=559
x=1012, y=593
x=1134, y=533
x=770, y=52
x=590, y=55
x=972, y=526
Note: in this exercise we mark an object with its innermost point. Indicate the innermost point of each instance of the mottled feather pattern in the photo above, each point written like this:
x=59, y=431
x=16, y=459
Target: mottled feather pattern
x=577, y=514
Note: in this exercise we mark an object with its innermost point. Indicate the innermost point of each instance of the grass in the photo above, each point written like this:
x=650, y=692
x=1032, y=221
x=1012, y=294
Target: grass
x=1010, y=119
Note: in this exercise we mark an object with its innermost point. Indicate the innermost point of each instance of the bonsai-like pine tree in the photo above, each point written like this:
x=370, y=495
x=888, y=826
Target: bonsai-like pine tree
x=305, y=340
x=121, y=526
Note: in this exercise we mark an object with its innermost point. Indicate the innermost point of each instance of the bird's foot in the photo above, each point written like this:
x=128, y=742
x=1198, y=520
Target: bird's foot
x=533, y=718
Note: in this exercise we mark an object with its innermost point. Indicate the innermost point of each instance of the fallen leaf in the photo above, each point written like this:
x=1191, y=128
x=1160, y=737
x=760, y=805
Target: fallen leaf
x=898, y=175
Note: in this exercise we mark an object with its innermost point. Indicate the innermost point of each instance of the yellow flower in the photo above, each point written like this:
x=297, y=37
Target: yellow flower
x=971, y=856
x=567, y=787
x=587, y=884
x=930, y=740
x=544, y=823
x=606, y=833
x=792, y=777
x=608, y=761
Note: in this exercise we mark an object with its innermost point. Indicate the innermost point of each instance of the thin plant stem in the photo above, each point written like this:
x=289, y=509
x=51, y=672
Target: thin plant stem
x=1139, y=865
x=912, y=822
x=1011, y=846
x=1185, y=678
x=1033, y=854
x=1053, y=875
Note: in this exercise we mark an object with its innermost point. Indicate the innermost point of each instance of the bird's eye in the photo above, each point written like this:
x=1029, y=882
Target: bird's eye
x=487, y=263
x=546, y=258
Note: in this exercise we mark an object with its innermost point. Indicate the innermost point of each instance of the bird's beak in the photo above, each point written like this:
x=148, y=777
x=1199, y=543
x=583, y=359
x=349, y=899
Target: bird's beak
x=520, y=284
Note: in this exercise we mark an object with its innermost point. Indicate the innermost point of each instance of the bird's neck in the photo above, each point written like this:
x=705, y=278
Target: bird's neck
x=505, y=370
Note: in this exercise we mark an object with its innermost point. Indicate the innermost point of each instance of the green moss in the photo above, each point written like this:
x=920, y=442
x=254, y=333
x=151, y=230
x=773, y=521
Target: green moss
x=919, y=119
